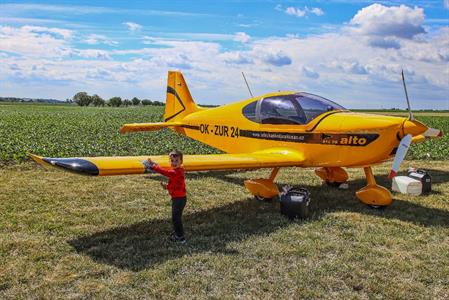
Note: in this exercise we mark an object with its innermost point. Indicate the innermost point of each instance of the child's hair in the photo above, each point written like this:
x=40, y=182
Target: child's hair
x=176, y=153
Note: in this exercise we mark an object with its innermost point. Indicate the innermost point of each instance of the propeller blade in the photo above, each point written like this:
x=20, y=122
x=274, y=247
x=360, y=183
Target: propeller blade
x=400, y=154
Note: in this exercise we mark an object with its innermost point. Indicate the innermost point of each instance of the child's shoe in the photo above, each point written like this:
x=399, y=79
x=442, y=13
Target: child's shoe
x=177, y=239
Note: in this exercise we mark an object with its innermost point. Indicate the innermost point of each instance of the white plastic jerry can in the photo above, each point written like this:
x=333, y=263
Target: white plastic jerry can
x=406, y=185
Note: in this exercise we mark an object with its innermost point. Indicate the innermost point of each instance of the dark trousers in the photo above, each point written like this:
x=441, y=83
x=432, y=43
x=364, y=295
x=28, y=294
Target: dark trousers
x=177, y=206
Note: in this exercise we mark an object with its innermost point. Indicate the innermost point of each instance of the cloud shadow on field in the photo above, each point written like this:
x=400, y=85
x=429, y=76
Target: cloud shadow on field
x=144, y=244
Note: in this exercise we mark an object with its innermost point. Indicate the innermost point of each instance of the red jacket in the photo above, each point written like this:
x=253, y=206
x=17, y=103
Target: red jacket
x=176, y=180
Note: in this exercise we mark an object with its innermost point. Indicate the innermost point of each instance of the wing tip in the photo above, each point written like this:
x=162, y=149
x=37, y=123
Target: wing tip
x=38, y=159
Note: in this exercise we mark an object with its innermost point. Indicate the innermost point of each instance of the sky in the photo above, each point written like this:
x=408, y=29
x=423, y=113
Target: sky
x=349, y=51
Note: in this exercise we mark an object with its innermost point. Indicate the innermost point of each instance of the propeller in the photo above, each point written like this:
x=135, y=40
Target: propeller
x=400, y=154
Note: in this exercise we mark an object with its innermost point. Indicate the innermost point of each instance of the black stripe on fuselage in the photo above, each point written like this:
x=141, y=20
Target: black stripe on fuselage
x=171, y=90
x=343, y=139
x=77, y=165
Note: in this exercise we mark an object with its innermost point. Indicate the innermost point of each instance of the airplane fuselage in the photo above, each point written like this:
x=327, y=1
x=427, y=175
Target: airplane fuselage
x=334, y=139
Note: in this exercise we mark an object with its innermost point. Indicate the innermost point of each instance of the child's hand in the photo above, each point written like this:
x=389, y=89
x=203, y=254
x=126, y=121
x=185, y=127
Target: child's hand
x=164, y=185
x=152, y=163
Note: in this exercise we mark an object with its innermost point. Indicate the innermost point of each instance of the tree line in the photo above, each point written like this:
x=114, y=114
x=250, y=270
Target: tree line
x=84, y=99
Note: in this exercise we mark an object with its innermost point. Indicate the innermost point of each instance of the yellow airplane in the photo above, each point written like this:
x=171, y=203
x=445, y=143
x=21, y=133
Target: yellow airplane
x=283, y=129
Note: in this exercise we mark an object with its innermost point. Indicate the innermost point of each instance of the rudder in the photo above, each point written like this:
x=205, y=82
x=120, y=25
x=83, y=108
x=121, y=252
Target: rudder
x=179, y=102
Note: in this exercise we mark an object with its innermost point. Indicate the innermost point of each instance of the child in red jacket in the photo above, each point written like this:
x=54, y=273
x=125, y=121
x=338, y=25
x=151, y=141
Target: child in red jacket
x=176, y=187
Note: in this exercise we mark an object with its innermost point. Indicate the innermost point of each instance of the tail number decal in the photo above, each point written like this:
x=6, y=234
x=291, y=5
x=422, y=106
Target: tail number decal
x=220, y=130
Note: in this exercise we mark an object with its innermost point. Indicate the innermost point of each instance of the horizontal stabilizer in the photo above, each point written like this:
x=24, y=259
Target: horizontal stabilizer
x=135, y=127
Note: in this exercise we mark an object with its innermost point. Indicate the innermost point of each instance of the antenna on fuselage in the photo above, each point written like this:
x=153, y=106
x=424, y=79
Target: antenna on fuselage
x=247, y=85
x=410, y=114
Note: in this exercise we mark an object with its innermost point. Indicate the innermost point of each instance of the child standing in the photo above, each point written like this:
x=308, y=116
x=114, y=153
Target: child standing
x=177, y=189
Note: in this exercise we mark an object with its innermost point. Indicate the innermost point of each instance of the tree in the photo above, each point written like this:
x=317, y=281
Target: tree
x=127, y=102
x=135, y=101
x=159, y=103
x=146, y=102
x=115, y=101
x=97, y=100
x=82, y=99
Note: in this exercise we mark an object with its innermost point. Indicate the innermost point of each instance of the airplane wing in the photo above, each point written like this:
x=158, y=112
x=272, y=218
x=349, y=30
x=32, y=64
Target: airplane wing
x=126, y=165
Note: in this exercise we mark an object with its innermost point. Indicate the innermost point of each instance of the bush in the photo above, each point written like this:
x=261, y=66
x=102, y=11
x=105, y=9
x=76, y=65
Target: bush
x=82, y=99
x=135, y=101
x=97, y=100
x=115, y=101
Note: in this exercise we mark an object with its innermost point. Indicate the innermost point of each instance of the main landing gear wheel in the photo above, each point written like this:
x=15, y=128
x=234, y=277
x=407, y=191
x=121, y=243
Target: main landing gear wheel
x=263, y=199
x=377, y=207
x=333, y=184
x=263, y=189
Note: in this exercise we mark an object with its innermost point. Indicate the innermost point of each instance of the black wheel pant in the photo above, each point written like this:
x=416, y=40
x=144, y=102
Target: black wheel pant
x=177, y=206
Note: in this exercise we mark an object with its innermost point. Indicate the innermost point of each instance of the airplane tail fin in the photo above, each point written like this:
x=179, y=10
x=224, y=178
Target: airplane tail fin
x=179, y=102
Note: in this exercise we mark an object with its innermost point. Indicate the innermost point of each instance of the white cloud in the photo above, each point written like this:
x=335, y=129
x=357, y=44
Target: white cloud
x=446, y=4
x=92, y=53
x=236, y=57
x=317, y=11
x=64, y=33
x=294, y=11
x=310, y=73
x=132, y=26
x=14, y=8
x=93, y=39
x=241, y=37
x=382, y=21
x=35, y=41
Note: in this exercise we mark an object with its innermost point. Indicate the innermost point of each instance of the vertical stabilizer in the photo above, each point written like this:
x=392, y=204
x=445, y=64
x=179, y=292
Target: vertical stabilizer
x=179, y=102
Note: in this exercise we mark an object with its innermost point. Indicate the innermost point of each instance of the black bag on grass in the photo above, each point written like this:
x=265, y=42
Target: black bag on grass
x=295, y=202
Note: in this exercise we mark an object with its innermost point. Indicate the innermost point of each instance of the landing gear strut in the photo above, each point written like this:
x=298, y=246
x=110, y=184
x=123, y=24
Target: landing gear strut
x=263, y=189
x=372, y=194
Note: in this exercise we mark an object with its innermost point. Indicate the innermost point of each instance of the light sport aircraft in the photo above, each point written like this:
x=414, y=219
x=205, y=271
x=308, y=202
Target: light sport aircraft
x=283, y=129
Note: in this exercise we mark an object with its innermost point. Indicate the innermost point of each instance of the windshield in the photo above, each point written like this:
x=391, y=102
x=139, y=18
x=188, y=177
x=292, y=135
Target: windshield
x=281, y=110
x=314, y=105
x=300, y=108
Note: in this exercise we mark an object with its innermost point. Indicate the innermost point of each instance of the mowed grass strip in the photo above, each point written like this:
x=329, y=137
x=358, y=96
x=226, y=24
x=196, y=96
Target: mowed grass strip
x=69, y=236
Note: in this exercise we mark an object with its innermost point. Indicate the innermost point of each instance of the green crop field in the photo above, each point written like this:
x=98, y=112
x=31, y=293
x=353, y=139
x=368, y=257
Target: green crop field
x=64, y=130
x=76, y=237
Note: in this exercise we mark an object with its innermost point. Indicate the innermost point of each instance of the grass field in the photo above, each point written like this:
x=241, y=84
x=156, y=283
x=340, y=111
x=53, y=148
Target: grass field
x=69, y=236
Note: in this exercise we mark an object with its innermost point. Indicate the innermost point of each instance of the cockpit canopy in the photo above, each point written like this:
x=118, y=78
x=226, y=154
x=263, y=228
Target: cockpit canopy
x=299, y=108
